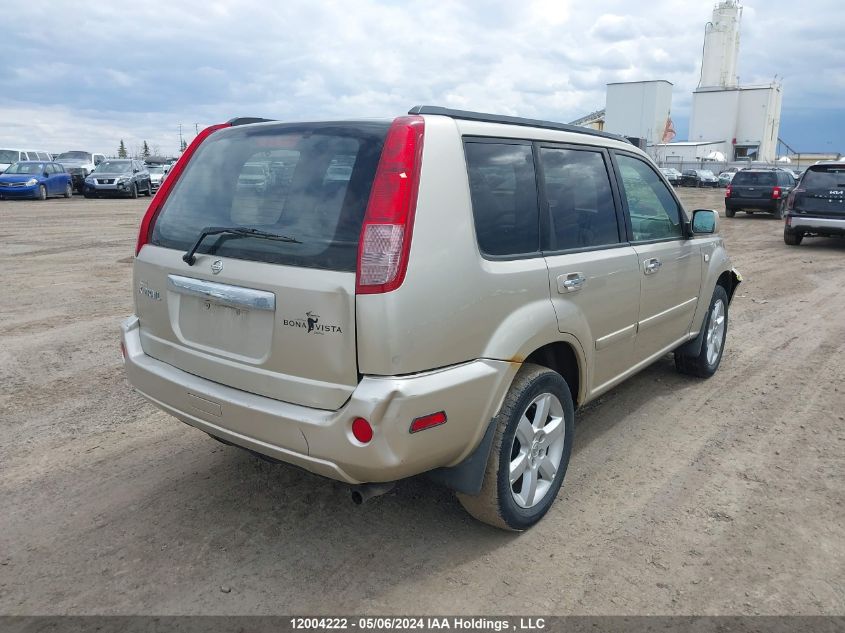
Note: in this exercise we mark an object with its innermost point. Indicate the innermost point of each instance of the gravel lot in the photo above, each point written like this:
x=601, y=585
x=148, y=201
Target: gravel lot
x=683, y=496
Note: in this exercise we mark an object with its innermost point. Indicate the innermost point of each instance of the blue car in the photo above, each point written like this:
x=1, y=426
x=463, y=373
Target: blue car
x=35, y=179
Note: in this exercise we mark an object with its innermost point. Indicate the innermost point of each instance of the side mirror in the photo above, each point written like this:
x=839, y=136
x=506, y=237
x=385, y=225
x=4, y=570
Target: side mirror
x=704, y=221
x=136, y=170
x=46, y=175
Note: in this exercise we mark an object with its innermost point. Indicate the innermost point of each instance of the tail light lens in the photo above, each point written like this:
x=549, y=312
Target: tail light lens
x=790, y=199
x=775, y=193
x=388, y=223
x=167, y=185
x=728, y=191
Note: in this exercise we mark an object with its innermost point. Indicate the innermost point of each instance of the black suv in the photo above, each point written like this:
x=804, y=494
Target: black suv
x=759, y=189
x=817, y=204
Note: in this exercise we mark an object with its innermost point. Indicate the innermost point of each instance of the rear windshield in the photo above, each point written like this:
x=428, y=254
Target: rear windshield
x=756, y=178
x=824, y=178
x=310, y=182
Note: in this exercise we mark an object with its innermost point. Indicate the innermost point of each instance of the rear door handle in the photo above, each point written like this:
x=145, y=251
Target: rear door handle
x=570, y=282
x=651, y=266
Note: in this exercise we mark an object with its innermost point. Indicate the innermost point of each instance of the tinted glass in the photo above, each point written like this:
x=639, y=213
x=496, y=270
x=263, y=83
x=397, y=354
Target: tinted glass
x=824, y=178
x=581, y=208
x=26, y=168
x=653, y=211
x=504, y=198
x=114, y=167
x=76, y=155
x=277, y=179
x=756, y=179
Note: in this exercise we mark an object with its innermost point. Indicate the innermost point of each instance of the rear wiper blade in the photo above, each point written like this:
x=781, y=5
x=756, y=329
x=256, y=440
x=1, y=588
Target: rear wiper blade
x=243, y=231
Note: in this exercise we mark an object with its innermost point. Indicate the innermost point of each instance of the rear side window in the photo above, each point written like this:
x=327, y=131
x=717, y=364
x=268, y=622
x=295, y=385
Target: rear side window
x=309, y=182
x=504, y=198
x=582, y=212
x=756, y=178
x=824, y=178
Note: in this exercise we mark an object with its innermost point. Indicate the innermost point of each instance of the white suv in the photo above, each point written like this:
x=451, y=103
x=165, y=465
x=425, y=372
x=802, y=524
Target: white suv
x=432, y=294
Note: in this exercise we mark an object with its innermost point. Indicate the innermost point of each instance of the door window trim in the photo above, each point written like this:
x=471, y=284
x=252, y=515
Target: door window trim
x=545, y=208
x=495, y=140
x=628, y=226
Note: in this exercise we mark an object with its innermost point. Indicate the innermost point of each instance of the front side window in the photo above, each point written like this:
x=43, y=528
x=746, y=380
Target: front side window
x=582, y=212
x=504, y=198
x=653, y=211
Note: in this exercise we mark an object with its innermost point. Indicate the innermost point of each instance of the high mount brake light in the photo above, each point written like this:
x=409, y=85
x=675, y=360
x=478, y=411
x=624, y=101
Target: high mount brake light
x=167, y=185
x=388, y=223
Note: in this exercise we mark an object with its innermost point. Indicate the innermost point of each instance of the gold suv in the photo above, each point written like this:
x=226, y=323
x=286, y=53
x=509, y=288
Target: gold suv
x=435, y=293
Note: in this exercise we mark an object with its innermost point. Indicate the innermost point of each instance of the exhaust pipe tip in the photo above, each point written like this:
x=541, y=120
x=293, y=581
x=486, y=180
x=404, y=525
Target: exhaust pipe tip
x=364, y=492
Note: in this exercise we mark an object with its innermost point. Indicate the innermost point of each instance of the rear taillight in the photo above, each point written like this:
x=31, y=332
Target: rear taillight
x=728, y=191
x=389, y=221
x=167, y=185
x=775, y=193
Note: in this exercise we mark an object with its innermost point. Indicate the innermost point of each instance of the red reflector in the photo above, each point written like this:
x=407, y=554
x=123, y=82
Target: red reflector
x=428, y=421
x=362, y=430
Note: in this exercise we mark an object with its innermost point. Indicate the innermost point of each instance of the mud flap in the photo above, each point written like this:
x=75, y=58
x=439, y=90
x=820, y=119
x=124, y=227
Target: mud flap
x=468, y=476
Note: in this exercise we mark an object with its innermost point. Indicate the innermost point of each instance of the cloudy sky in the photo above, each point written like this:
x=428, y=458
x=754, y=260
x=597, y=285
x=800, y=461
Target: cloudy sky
x=85, y=75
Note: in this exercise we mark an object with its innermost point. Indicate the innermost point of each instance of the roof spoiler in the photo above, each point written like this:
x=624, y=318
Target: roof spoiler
x=246, y=120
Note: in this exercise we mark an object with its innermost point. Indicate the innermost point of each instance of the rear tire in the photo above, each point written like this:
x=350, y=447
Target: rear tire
x=792, y=238
x=530, y=453
x=779, y=210
x=729, y=213
x=715, y=328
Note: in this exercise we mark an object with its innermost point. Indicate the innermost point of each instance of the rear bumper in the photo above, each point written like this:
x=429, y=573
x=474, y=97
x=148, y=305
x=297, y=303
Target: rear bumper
x=321, y=441
x=827, y=226
x=763, y=204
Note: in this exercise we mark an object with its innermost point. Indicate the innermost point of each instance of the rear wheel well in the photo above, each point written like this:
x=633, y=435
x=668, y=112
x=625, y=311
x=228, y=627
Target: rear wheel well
x=560, y=357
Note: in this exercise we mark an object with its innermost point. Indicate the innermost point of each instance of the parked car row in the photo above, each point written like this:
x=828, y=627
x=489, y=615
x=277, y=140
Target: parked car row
x=89, y=174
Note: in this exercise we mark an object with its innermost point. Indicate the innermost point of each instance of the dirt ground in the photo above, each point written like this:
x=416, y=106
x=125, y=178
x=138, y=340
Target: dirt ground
x=683, y=496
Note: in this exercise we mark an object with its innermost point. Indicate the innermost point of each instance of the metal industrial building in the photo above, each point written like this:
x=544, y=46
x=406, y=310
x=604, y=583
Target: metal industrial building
x=728, y=122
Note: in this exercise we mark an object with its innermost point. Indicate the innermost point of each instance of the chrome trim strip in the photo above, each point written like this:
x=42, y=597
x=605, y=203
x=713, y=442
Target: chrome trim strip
x=662, y=316
x=817, y=223
x=223, y=294
x=609, y=339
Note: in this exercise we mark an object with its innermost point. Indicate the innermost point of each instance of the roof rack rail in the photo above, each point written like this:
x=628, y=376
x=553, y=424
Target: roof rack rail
x=246, y=120
x=512, y=120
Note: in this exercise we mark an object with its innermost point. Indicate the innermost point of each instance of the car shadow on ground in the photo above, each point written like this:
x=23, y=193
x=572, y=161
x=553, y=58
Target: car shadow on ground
x=276, y=517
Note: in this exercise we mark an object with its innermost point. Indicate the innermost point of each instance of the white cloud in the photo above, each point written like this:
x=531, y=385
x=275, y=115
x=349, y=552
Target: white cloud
x=136, y=74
